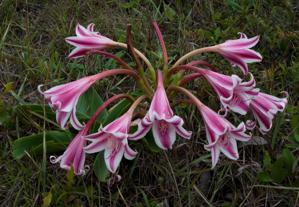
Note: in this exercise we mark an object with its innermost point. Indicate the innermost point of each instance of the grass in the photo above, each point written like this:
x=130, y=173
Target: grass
x=33, y=51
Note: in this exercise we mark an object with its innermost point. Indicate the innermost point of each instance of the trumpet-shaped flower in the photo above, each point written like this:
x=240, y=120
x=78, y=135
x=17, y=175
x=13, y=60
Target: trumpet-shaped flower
x=113, y=140
x=222, y=135
x=238, y=52
x=264, y=107
x=161, y=119
x=234, y=94
x=74, y=155
x=64, y=98
x=87, y=40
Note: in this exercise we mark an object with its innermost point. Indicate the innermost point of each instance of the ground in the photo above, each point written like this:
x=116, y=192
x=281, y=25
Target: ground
x=33, y=52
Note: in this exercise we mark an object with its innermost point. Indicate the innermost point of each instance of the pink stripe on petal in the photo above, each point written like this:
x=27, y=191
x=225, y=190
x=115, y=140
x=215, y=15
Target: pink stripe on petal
x=97, y=145
x=242, y=43
x=213, y=120
x=90, y=27
x=164, y=134
x=264, y=119
x=248, y=55
x=79, y=158
x=74, y=120
x=88, y=42
x=235, y=60
x=81, y=31
x=215, y=153
x=62, y=118
x=230, y=149
x=178, y=123
x=142, y=130
x=78, y=52
x=242, y=35
x=129, y=153
x=239, y=133
x=113, y=157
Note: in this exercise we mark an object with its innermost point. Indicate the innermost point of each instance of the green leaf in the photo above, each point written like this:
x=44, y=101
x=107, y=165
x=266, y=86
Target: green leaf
x=264, y=177
x=267, y=160
x=4, y=113
x=37, y=110
x=47, y=200
x=100, y=168
x=8, y=87
x=288, y=158
x=52, y=147
x=169, y=12
x=294, y=110
x=89, y=103
x=31, y=142
x=131, y=4
x=279, y=170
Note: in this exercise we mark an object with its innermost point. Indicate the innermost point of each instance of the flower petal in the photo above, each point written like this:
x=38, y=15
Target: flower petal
x=81, y=31
x=113, y=156
x=129, y=153
x=215, y=153
x=143, y=128
x=78, y=52
x=62, y=118
x=164, y=134
x=230, y=149
x=74, y=120
x=79, y=159
x=239, y=133
x=242, y=43
x=178, y=123
x=97, y=144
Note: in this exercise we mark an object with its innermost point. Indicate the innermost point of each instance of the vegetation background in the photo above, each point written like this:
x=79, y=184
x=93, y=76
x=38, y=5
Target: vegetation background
x=33, y=51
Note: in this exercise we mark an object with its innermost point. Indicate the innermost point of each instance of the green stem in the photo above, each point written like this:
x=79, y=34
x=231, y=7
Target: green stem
x=192, y=97
x=142, y=56
x=192, y=53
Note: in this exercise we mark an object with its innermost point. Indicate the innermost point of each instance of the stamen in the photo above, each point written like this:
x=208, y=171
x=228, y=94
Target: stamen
x=163, y=127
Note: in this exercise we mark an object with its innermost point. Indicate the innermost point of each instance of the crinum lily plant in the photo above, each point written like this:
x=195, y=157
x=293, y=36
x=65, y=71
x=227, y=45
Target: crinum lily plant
x=156, y=102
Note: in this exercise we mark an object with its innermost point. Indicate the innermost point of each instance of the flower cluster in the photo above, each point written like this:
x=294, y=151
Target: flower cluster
x=235, y=93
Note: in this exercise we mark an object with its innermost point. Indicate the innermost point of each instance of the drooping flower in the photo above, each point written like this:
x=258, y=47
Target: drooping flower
x=238, y=52
x=222, y=135
x=264, y=107
x=234, y=94
x=161, y=119
x=87, y=40
x=113, y=140
x=74, y=155
x=64, y=98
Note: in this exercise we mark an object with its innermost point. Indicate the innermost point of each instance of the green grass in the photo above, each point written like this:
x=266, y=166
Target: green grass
x=33, y=52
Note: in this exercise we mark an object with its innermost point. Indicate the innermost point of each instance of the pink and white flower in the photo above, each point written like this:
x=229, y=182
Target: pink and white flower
x=238, y=52
x=113, y=140
x=74, y=155
x=234, y=94
x=264, y=107
x=161, y=119
x=64, y=98
x=222, y=135
x=87, y=40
